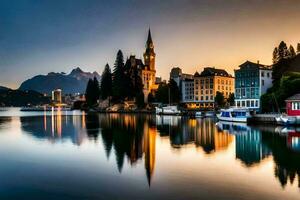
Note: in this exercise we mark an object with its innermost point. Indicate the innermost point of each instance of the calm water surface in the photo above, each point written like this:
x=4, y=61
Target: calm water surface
x=77, y=156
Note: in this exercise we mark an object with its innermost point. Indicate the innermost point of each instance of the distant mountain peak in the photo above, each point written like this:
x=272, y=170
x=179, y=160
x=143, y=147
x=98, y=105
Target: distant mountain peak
x=75, y=82
x=77, y=70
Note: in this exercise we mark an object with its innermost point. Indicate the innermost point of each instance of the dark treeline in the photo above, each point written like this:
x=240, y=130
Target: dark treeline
x=124, y=83
x=167, y=93
x=286, y=77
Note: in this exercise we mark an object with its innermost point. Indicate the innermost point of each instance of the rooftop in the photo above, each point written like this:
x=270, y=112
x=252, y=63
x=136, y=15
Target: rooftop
x=211, y=71
x=257, y=64
x=294, y=97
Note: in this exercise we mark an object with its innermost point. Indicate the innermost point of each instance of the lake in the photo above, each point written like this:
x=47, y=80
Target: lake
x=74, y=155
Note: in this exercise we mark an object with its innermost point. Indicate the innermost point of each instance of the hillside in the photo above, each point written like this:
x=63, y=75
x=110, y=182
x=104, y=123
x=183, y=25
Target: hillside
x=74, y=82
x=22, y=98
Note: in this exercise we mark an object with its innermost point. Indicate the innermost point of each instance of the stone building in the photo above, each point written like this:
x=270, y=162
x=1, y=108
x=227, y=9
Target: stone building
x=145, y=70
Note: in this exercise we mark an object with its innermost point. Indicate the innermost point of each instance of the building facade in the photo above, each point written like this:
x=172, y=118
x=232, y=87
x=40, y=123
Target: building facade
x=57, y=96
x=185, y=83
x=293, y=105
x=251, y=81
x=187, y=90
x=208, y=83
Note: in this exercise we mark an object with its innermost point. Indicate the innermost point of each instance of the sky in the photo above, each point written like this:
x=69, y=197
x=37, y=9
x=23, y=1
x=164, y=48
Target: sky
x=40, y=36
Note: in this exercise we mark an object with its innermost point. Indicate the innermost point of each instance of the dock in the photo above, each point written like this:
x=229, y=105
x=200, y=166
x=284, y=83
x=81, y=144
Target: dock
x=263, y=119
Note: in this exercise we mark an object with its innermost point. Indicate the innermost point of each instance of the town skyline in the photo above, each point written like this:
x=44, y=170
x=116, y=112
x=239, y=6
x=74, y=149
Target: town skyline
x=203, y=34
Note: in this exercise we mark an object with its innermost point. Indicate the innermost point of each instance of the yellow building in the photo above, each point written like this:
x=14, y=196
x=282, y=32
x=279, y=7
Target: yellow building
x=208, y=83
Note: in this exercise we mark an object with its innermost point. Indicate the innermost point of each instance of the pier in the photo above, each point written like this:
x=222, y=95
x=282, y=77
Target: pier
x=263, y=118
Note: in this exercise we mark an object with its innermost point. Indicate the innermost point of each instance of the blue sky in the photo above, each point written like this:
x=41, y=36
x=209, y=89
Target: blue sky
x=39, y=36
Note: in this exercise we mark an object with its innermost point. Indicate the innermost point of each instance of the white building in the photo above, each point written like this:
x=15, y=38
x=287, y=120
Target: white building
x=185, y=83
x=187, y=90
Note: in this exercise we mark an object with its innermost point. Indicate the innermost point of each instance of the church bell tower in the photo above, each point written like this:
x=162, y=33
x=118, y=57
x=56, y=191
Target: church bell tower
x=149, y=55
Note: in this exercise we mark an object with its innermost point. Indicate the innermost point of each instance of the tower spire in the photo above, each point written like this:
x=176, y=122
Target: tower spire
x=149, y=40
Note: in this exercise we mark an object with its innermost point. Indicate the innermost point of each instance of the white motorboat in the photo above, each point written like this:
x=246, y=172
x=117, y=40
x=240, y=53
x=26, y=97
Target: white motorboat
x=210, y=114
x=198, y=114
x=44, y=108
x=286, y=120
x=167, y=110
x=234, y=115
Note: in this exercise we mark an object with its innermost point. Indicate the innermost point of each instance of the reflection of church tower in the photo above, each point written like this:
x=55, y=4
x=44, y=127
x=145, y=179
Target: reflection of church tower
x=149, y=55
x=148, y=72
x=149, y=148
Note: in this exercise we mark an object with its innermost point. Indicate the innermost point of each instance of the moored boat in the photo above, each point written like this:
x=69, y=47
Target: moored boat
x=44, y=108
x=167, y=110
x=234, y=115
x=199, y=114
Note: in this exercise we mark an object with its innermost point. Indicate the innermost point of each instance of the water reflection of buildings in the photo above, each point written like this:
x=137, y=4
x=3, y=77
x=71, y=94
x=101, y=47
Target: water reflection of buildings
x=249, y=147
x=202, y=133
x=285, y=155
x=55, y=127
x=248, y=142
x=131, y=136
x=253, y=144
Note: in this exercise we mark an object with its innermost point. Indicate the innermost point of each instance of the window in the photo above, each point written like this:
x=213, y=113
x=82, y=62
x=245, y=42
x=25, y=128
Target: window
x=248, y=103
x=262, y=74
x=243, y=103
x=268, y=74
x=262, y=82
x=238, y=103
x=256, y=103
x=243, y=92
x=211, y=97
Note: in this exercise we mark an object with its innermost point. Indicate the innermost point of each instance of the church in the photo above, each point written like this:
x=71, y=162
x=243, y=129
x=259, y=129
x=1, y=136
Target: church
x=145, y=69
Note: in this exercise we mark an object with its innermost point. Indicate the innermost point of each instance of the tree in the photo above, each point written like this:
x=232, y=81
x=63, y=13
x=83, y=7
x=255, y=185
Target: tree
x=140, y=99
x=283, y=51
x=275, y=55
x=89, y=93
x=230, y=99
x=219, y=99
x=106, y=83
x=151, y=98
x=119, y=80
x=175, y=94
x=298, y=48
x=292, y=52
x=162, y=93
x=92, y=92
x=96, y=89
x=275, y=97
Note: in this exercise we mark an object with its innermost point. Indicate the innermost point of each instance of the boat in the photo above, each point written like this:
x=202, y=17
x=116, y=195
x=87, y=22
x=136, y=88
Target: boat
x=234, y=115
x=210, y=114
x=167, y=110
x=198, y=114
x=287, y=120
x=44, y=108
x=234, y=128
